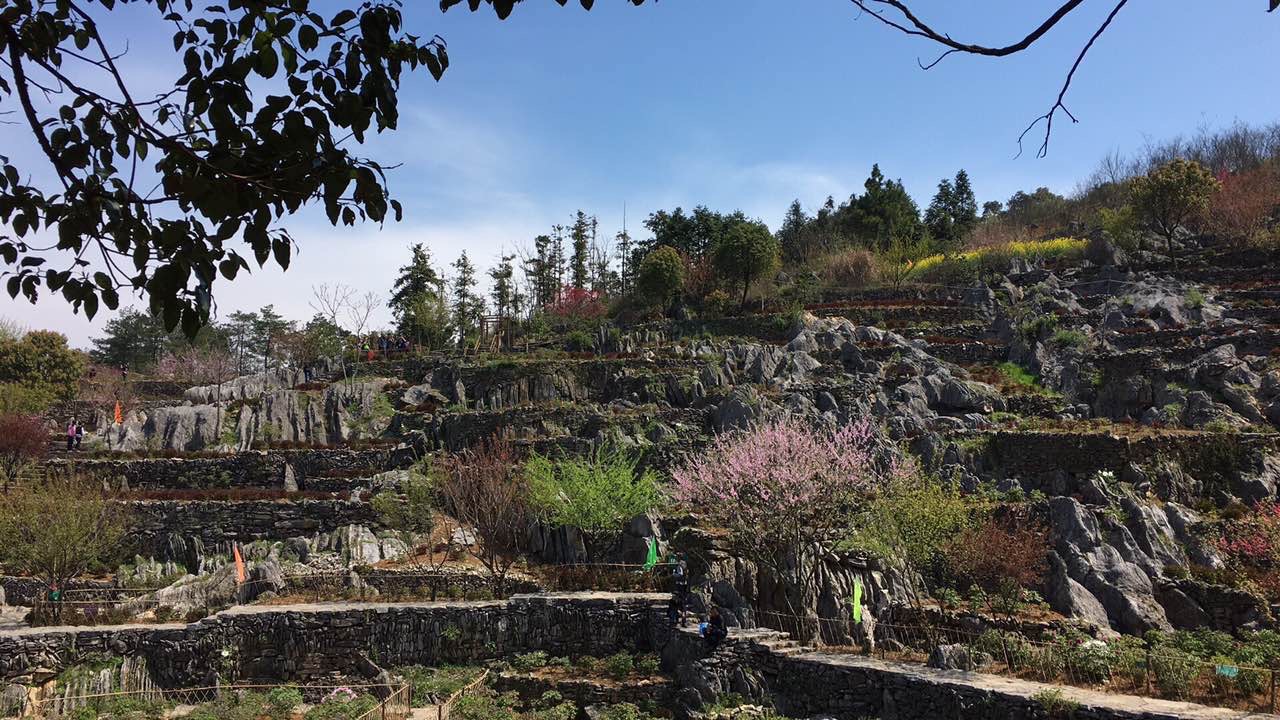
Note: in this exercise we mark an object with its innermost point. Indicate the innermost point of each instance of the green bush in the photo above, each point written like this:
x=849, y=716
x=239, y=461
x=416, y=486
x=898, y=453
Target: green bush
x=340, y=708
x=661, y=275
x=429, y=683
x=1121, y=225
x=647, y=664
x=1055, y=704
x=529, y=662
x=1015, y=374
x=597, y=494
x=579, y=341
x=1069, y=338
x=1194, y=299
x=1174, y=671
x=619, y=665
x=624, y=711
x=1085, y=659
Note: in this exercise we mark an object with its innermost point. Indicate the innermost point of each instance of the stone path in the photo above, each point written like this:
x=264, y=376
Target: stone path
x=1026, y=689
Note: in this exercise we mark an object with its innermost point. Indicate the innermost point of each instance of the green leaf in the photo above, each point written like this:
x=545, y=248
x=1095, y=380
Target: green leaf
x=266, y=62
x=308, y=38
x=281, y=248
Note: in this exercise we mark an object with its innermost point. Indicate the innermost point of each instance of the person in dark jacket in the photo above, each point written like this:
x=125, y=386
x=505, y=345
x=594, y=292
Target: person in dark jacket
x=716, y=630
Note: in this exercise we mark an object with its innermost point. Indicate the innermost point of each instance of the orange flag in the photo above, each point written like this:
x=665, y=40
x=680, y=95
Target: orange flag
x=235, y=551
x=119, y=416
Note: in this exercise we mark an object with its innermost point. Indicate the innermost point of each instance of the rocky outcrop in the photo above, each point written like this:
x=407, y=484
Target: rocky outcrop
x=1103, y=559
x=339, y=413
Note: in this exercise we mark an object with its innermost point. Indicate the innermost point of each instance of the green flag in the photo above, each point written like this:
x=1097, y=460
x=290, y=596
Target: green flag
x=652, y=559
x=857, y=601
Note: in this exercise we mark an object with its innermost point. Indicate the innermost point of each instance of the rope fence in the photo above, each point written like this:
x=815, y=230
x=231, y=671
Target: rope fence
x=1126, y=665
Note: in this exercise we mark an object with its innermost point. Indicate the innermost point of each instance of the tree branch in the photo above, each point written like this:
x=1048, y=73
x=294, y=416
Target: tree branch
x=921, y=29
x=1047, y=118
x=24, y=96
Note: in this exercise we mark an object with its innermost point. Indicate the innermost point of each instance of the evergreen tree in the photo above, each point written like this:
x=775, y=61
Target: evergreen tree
x=539, y=271
x=579, y=235
x=626, y=266
x=132, y=338
x=468, y=307
x=746, y=252
x=954, y=211
x=239, y=330
x=267, y=331
x=416, y=279
x=793, y=231
x=881, y=212
x=965, y=208
x=558, y=262
x=503, y=291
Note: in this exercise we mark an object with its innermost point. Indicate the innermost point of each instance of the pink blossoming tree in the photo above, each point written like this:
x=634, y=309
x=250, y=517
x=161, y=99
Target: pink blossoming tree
x=783, y=490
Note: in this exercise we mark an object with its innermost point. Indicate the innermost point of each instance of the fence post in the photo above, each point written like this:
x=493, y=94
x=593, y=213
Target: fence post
x=1147, y=669
x=1273, y=688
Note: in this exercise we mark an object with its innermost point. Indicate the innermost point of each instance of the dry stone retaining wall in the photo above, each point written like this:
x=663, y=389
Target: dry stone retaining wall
x=304, y=642
x=155, y=522
x=312, y=642
x=251, y=469
x=758, y=665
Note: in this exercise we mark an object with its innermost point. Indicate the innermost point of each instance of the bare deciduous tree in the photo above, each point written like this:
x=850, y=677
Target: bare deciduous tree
x=484, y=489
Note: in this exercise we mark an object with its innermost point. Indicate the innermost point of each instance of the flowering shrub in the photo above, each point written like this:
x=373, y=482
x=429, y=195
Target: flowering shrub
x=1251, y=545
x=781, y=485
x=573, y=303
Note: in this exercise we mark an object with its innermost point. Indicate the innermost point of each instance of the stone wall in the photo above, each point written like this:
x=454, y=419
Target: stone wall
x=302, y=643
x=1055, y=462
x=213, y=523
x=24, y=591
x=252, y=469
x=760, y=666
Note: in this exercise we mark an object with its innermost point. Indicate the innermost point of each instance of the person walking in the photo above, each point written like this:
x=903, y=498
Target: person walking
x=71, y=435
x=79, y=434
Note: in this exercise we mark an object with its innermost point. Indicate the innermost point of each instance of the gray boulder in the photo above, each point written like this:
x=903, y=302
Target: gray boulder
x=1112, y=575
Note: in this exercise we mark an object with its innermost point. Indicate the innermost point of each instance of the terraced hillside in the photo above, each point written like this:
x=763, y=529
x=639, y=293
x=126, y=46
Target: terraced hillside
x=1128, y=408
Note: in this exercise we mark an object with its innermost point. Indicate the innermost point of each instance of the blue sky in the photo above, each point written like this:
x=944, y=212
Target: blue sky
x=734, y=104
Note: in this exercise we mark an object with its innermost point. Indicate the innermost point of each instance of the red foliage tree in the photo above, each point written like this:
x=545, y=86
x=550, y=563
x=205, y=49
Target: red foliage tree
x=1251, y=546
x=1246, y=201
x=23, y=440
x=1003, y=556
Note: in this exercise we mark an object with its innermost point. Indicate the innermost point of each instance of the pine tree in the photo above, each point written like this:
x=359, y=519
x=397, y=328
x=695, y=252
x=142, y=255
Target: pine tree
x=557, y=262
x=626, y=269
x=468, y=307
x=792, y=232
x=954, y=211
x=416, y=278
x=965, y=206
x=503, y=291
x=579, y=234
x=539, y=271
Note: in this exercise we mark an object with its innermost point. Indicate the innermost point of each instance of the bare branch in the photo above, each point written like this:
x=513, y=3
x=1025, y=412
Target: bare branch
x=1047, y=118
